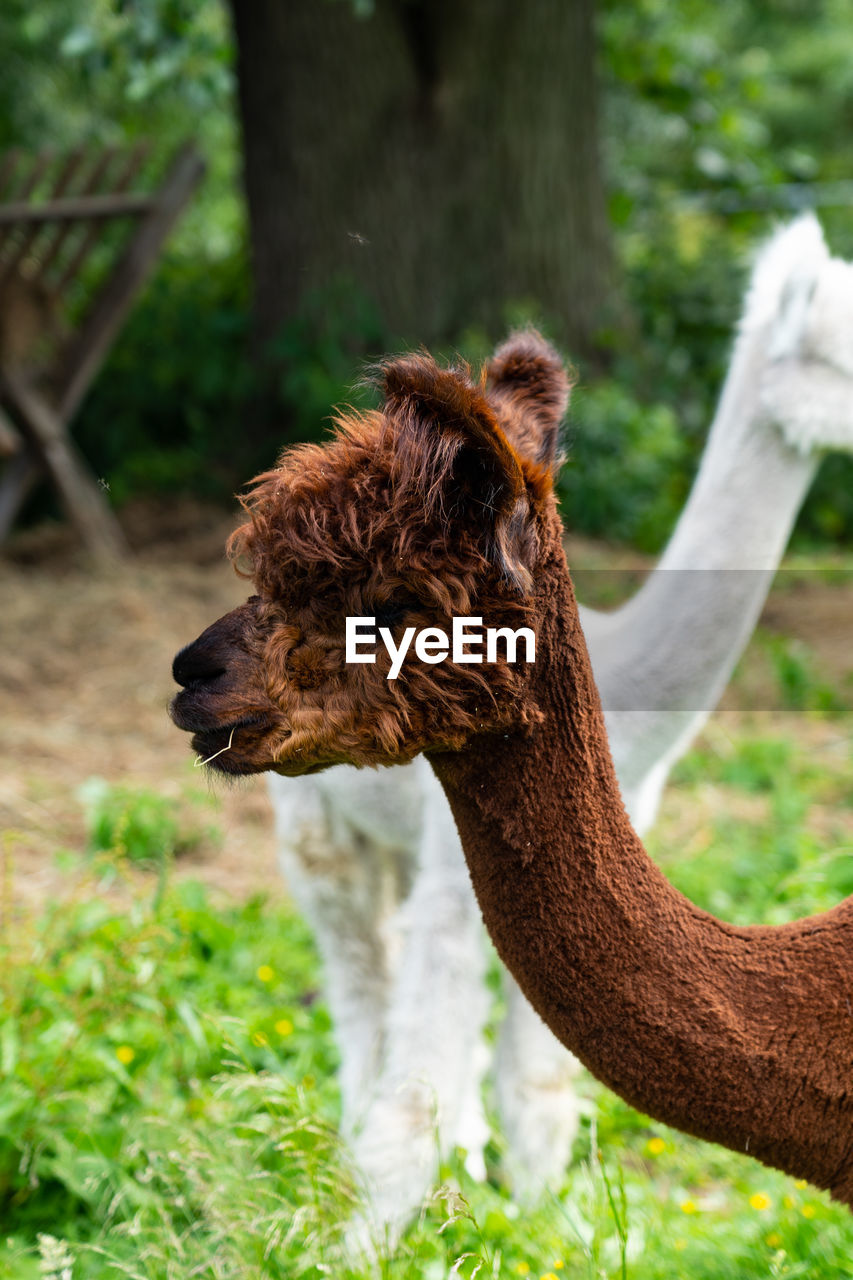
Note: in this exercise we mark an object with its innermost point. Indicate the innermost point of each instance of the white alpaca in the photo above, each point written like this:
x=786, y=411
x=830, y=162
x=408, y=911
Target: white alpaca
x=374, y=862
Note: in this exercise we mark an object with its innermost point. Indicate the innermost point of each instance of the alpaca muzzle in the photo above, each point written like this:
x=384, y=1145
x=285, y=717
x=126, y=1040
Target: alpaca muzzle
x=228, y=727
x=201, y=668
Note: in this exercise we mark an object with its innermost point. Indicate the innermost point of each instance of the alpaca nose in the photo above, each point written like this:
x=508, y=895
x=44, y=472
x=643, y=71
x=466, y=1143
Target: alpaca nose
x=198, y=663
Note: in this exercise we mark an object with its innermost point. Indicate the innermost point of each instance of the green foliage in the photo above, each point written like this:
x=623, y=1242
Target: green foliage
x=38, y=93
x=168, y=1109
x=827, y=516
x=112, y=71
x=158, y=1065
x=156, y=49
x=763, y=861
x=84, y=66
x=138, y=824
x=800, y=685
x=752, y=764
x=167, y=413
x=621, y=479
x=318, y=359
x=720, y=101
x=708, y=109
x=176, y=409
x=168, y=1105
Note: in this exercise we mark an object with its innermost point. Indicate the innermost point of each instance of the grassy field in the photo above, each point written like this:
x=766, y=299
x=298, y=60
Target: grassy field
x=168, y=1104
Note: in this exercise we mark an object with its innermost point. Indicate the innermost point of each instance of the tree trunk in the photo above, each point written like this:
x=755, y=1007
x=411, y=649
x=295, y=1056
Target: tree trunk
x=442, y=154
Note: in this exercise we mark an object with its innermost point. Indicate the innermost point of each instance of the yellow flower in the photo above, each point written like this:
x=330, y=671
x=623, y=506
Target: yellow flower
x=655, y=1146
x=808, y=1211
x=125, y=1054
x=259, y=1039
x=689, y=1206
x=548, y=1275
x=522, y=1268
x=788, y=1202
x=558, y=1264
x=801, y=1184
x=760, y=1200
x=265, y=973
x=284, y=1027
x=773, y=1240
x=680, y=1244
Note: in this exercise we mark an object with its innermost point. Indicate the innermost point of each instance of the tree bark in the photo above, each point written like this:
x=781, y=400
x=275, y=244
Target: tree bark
x=442, y=154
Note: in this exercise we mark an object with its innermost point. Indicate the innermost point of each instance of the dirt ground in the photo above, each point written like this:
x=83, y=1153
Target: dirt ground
x=85, y=681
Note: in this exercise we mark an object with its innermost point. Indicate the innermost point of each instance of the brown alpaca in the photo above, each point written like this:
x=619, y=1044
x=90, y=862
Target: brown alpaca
x=442, y=504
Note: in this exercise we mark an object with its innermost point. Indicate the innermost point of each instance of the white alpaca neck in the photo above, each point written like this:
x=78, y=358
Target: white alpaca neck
x=751, y=483
x=658, y=682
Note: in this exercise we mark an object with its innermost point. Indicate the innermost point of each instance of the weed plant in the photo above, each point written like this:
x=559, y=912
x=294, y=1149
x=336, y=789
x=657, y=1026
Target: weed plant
x=143, y=825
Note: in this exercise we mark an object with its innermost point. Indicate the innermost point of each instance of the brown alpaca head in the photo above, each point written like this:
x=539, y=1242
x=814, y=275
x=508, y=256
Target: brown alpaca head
x=433, y=507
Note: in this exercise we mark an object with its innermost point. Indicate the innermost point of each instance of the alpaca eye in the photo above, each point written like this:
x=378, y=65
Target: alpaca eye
x=390, y=613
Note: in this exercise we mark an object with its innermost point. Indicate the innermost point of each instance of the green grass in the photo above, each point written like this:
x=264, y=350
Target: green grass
x=141, y=824
x=774, y=864
x=166, y=1086
x=168, y=1106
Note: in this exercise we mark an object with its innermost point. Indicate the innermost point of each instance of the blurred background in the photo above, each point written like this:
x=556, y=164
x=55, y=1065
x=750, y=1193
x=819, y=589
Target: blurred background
x=383, y=174
x=417, y=171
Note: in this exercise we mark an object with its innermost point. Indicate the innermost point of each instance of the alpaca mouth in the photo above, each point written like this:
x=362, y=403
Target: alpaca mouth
x=198, y=715
x=221, y=749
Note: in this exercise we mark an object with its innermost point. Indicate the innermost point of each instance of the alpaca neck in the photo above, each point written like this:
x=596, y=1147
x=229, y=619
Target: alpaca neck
x=658, y=682
x=742, y=1036
x=751, y=482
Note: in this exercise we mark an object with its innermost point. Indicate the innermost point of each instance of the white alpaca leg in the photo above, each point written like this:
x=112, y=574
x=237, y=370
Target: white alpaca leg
x=538, y=1105
x=427, y=1094
x=472, y=1131
x=346, y=885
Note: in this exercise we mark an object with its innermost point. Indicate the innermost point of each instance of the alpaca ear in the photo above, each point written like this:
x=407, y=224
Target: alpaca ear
x=451, y=451
x=529, y=384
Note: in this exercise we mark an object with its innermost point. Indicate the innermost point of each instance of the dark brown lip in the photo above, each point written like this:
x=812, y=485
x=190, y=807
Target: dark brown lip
x=188, y=715
x=218, y=748
x=194, y=716
x=214, y=751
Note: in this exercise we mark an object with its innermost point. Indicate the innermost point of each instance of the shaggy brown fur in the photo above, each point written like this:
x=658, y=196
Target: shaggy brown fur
x=442, y=504
x=412, y=515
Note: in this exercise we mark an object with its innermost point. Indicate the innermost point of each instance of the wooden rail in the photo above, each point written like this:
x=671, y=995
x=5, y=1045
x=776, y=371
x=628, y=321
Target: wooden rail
x=50, y=348
x=77, y=209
